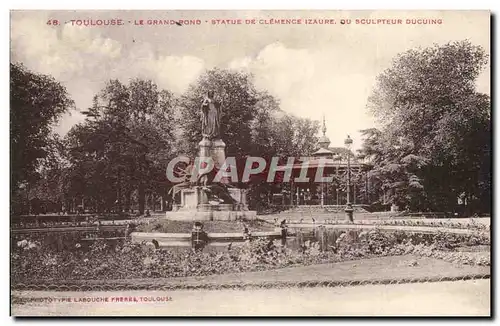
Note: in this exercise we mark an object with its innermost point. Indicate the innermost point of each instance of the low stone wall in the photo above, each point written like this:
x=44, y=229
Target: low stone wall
x=68, y=229
x=184, y=239
x=212, y=215
x=406, y=228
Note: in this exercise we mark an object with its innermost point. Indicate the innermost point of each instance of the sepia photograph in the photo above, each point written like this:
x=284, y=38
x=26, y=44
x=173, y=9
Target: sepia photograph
x=209, y=163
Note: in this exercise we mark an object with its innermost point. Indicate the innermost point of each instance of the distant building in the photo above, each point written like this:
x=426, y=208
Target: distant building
x=334, y=163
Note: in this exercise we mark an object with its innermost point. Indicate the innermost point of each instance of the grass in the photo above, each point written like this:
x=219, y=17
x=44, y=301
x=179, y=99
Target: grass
x=372, y=269
x=167, y=226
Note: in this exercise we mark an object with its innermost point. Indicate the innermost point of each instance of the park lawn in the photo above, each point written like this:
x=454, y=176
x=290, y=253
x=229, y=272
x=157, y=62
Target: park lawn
x=167, y=226
x=371, y=269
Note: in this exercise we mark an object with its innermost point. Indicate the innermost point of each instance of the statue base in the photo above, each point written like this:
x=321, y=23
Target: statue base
x=216, y=149
x=211, y=215
x=218, y=152
x=195, y=203
x=195, y=206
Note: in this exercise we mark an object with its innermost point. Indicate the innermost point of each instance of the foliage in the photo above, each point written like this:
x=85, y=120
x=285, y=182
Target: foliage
x=280, y=135
x=238, y=98
x=252, y=123
x=440, y=245
x=36, y=104
x=32, y=259
x=446, y=224
x=123, y=147
x=116, y=158
x=434, y=145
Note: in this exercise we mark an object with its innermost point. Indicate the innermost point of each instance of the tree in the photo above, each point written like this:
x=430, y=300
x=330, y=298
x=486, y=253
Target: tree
x=238, y=96
x=36, y=104
x=297, y=136
x=262, y=125
x=120, y=152
x=252, y=125
x=277, y=134
x=435, y=133
x=394, y=175
x=124, y=145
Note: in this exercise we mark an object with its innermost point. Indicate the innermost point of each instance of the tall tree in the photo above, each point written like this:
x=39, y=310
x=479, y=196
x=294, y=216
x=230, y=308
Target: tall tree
x=436, y=126
x=124, y=145
x=238, y=96
x=36, y=104
x=252, y=124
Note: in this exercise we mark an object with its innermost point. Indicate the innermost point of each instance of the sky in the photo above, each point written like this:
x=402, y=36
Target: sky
x=313, y=70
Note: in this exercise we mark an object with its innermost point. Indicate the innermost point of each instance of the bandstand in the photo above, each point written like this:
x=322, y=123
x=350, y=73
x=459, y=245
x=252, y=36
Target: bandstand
x=335, y=162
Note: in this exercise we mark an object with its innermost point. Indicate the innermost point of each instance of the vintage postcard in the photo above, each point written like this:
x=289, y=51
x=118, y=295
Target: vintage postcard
x=250, y=163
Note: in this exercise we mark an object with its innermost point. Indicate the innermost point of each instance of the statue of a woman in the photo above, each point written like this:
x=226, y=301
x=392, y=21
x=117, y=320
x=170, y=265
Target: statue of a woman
x=210, y=119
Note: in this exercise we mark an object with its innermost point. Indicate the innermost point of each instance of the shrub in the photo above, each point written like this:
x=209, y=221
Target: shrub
x=31, y=260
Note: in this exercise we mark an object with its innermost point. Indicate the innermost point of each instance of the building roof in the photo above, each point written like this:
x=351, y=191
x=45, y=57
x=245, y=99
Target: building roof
x=323, y=152
x=324, y=141
x=324, y=149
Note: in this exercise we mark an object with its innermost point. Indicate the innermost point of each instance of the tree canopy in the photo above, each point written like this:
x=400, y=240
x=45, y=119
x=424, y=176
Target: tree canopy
x=36, y=103
x=116, y=158
x=434, y=145
x=124, y=145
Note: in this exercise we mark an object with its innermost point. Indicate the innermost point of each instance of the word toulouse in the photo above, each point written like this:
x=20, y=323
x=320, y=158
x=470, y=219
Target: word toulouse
x=100, y=299
x=137, y=22
x=96, y=22
x=253, y=166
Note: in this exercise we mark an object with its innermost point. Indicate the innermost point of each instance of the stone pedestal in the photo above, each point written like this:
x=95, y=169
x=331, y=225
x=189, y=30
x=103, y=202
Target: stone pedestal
x=196, y=207
x=216, y=149
x=240, y=195
x=194, y=201
x=218, y=152
x=192, y=216
x=204, y=148
x=193, y=197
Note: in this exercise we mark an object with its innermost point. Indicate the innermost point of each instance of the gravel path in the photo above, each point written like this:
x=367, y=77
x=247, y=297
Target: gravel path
x=461, y=298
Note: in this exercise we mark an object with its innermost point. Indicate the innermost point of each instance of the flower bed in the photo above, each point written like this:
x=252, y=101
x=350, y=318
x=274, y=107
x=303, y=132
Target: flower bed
x=471, y=224
x=31, y=260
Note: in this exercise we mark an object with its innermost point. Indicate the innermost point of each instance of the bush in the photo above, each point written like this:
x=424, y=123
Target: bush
x=31, y=260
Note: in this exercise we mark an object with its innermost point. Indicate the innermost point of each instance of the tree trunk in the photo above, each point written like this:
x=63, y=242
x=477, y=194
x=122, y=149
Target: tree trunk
x=168, y=200
x=28, y=198
x=128, y=196
x=141, y=198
